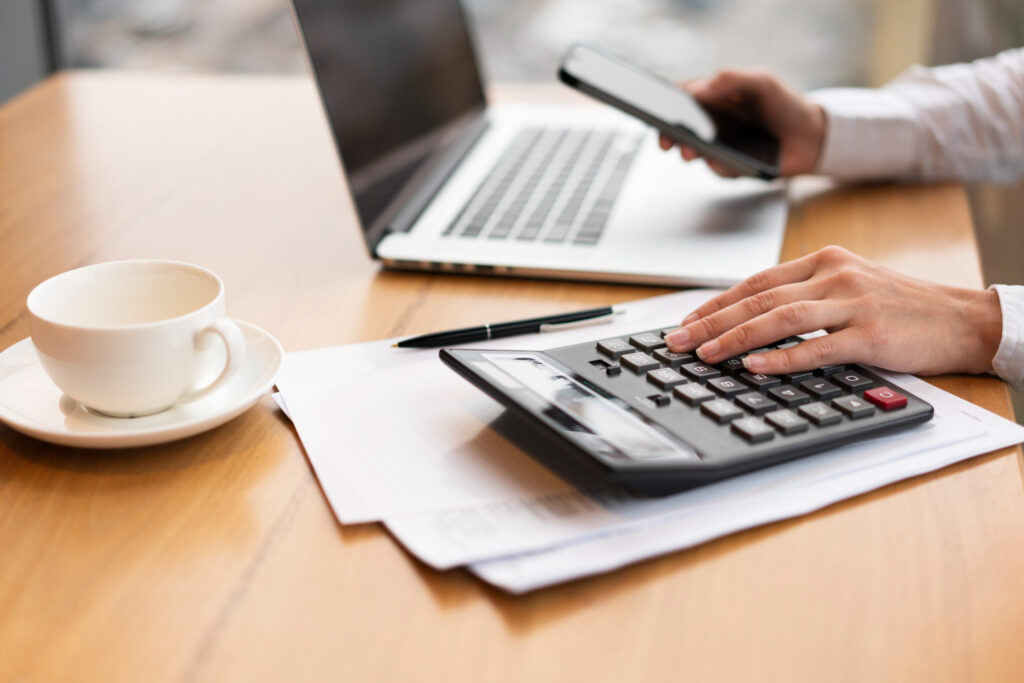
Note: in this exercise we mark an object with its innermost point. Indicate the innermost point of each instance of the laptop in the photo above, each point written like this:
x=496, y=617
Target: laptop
x=442, y=180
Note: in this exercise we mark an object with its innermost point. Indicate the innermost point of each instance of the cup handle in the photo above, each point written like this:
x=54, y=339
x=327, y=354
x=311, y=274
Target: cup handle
x=234, y=346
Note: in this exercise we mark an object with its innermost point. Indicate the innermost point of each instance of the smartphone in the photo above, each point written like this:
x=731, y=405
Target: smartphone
x=742, y=147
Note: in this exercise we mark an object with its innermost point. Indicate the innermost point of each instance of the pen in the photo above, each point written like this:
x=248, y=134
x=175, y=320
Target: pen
x=548, y=323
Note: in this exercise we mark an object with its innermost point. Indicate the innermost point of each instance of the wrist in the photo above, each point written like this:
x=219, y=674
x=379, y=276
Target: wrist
x=982, y=320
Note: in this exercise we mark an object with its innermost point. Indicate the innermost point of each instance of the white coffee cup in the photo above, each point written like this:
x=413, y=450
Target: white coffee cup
x=130, y=338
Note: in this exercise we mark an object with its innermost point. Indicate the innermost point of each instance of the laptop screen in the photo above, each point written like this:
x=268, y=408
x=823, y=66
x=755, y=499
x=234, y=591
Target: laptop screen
x=396, y=76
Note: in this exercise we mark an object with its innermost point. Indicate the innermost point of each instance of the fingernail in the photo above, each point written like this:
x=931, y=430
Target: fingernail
x=754, y=361
x=690, y=318
x=678, y=338
x=709, y=349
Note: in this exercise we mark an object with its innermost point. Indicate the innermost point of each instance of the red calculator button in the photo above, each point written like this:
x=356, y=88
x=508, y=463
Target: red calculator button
x=885, y=398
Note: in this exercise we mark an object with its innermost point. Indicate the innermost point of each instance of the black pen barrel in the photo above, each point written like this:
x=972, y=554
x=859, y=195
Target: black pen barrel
x=533, y=324
x=428, y=341
x=484, y=332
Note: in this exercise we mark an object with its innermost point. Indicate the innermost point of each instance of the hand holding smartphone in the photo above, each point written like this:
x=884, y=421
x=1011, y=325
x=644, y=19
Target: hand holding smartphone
x=741, y=147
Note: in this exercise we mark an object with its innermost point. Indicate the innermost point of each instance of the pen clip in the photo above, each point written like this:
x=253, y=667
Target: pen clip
x=558, y=327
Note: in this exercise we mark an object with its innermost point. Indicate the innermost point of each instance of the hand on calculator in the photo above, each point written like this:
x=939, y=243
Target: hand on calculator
x=875, y=315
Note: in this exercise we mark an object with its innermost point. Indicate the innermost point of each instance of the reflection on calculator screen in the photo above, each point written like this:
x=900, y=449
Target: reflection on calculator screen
x=589, y=410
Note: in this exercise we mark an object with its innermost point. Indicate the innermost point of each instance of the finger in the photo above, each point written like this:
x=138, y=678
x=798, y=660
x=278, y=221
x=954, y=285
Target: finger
x=694, y=85
x=796, y=270
x=744, y=310
x=737, y=83
x=844, y=346
x=721, y=169
x=785, y=321
x=688, y=152
x=665, y=142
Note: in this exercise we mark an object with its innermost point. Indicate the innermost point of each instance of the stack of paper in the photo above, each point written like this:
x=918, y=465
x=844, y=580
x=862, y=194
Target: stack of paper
x=396, y=436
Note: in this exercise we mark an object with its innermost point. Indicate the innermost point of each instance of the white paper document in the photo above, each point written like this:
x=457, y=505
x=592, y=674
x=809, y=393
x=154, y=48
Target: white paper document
x=394, y=431
x=395, y=435
x=463, y=536
x=693, y=525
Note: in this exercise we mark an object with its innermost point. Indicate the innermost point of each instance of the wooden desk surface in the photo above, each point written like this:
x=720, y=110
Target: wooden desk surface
x=217, y=558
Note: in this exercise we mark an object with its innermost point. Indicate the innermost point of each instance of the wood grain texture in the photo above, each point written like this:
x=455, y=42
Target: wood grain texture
x=217, y=558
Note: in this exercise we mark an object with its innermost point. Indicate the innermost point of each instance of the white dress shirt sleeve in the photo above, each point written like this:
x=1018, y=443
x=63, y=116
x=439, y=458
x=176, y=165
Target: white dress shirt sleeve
x=959, y=122
x=1009, y=359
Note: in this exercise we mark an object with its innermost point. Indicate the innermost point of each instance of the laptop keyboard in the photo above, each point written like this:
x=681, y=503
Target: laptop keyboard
x=555, y=185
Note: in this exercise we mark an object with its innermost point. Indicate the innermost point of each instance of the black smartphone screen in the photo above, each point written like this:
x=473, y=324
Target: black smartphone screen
x=740, y=145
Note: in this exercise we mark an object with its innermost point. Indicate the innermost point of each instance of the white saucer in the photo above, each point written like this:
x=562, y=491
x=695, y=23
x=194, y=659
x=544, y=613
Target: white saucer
x=32, y=404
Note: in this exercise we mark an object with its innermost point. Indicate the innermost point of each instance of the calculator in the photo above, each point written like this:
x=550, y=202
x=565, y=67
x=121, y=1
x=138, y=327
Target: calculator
x=659, y=422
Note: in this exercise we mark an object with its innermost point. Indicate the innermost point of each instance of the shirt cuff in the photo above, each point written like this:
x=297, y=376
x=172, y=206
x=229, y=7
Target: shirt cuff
x=868, y=134
x=1008, y=362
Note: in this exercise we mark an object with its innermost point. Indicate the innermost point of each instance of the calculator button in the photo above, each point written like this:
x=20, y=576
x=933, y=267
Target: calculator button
x=694, y=394
x=731, y=366
x=828, y=370
x=721, y=410
x=614, y=348
x=726, y=386
x=761, y=382
x=787, y=422
x=665, y=378
x=648, y=341
x=885, y=398
x=852, y=380
x=660, y=400
x=797, y=377
x=672, y=359
x=700, y=371
x=789, y=396
x=820, y=389
x=854, y=406
x=639, y=362
x=753, y=429
x=787, y=345
x=756, y=402
x=820, y=414
x=613, y=370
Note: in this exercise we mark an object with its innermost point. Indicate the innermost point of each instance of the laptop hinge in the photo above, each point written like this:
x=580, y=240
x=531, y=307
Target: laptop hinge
x=430, y=183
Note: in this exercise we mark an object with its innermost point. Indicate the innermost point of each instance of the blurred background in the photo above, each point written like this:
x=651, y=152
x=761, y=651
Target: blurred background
x=812, y=43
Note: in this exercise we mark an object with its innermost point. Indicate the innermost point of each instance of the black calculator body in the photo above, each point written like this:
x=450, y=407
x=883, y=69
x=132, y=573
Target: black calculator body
x=659, y=422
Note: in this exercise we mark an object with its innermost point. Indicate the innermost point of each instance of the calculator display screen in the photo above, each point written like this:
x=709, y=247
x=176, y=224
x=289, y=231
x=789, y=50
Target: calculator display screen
x=599, y=423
